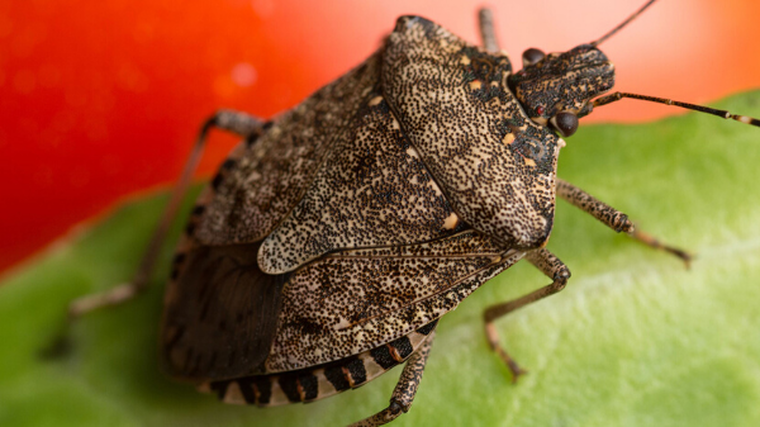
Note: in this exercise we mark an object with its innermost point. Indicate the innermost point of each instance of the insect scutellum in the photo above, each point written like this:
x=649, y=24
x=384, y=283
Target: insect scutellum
x=559, y=88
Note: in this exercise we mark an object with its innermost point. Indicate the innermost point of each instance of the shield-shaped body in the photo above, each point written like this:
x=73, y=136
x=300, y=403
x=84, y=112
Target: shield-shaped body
x=327, y=248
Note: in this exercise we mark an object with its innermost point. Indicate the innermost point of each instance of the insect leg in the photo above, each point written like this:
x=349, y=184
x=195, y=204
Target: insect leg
x=551, y=266
x=487, y=33
x=228, y=120
x=406, y=388
x=237, y=122
x=613, y=218
x=604, y=213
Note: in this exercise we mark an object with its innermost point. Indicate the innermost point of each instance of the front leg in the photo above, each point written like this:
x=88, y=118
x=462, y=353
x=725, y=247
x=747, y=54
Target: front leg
x=551, y=266
x=613, y=218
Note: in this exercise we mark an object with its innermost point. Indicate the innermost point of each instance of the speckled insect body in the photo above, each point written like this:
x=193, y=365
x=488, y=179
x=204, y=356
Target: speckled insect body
x=334, y=237
x=329, y=245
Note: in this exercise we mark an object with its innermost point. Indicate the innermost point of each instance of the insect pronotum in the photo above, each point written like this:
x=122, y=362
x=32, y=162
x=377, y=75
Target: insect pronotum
x=334, y=237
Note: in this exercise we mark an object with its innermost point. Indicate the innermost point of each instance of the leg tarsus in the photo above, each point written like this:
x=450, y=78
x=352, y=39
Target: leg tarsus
x=493, y=341
x=393, y=411
x=406, y=388
x=652, y=242
x=551, y=266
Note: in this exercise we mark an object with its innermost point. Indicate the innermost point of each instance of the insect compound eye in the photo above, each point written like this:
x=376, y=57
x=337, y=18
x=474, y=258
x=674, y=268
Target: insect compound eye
x=531, y=56
x=565, y=123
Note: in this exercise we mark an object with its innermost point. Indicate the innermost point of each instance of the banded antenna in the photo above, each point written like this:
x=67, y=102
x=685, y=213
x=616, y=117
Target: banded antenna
x=601, y=39
x=617, y=96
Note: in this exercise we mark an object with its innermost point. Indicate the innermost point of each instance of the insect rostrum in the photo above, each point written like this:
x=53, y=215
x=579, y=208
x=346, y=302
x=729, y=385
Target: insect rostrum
x=335, y=236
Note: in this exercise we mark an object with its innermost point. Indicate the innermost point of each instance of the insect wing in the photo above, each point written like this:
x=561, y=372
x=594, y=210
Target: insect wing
x=372, y=190
x=221, y=316
x=353, y=301
x=273, y=173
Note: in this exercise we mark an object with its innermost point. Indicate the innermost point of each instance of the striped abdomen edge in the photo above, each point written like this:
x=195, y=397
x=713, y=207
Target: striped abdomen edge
x=307, y=385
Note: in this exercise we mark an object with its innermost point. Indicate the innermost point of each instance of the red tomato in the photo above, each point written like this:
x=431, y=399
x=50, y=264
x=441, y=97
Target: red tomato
x=103, y=98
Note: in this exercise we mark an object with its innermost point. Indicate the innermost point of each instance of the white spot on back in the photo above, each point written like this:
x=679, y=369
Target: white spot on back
x=451, y=221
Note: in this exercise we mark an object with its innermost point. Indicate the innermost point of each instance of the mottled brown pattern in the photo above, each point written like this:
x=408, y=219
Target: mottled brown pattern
x=333, y=238
x=360, y=216
x=346, y=303
x=272, y=175
x=496, y=166
x=372, y=190
x=467, y=243
x=361, y=192
x=603, y=212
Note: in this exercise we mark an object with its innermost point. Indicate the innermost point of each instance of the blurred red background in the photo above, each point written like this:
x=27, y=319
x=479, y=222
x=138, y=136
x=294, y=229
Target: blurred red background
x=100, y=99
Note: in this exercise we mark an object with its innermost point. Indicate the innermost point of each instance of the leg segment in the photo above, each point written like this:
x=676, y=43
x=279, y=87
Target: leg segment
x=652, y=242
x=608, y=215
x=613, y=218
x=551, y=266
x=406, y=388
x=487, y=33
x=228, y=120
x=239, y=123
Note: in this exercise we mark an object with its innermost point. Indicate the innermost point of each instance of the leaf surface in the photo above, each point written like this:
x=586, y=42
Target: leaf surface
x=635, y=339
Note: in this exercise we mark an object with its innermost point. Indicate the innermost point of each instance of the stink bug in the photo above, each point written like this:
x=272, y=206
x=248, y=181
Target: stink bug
x=333, y=238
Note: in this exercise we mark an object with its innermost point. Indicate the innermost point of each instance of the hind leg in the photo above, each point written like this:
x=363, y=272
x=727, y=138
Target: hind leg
x=406, y=388
x=231, y=121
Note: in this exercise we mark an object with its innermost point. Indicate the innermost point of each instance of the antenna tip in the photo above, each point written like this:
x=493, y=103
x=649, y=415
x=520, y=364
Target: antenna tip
x=746, y=120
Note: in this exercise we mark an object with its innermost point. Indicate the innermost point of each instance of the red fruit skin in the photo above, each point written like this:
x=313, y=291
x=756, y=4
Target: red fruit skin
x=102, y=99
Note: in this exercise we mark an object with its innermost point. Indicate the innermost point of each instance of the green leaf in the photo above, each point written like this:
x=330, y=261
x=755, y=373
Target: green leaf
x=635, y=339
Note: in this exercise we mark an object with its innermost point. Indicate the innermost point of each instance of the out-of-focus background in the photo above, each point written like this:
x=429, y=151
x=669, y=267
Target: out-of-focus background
x=102, y=99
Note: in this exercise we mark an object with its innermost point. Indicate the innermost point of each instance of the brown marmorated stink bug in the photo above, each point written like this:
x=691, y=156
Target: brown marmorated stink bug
x=334, y=237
